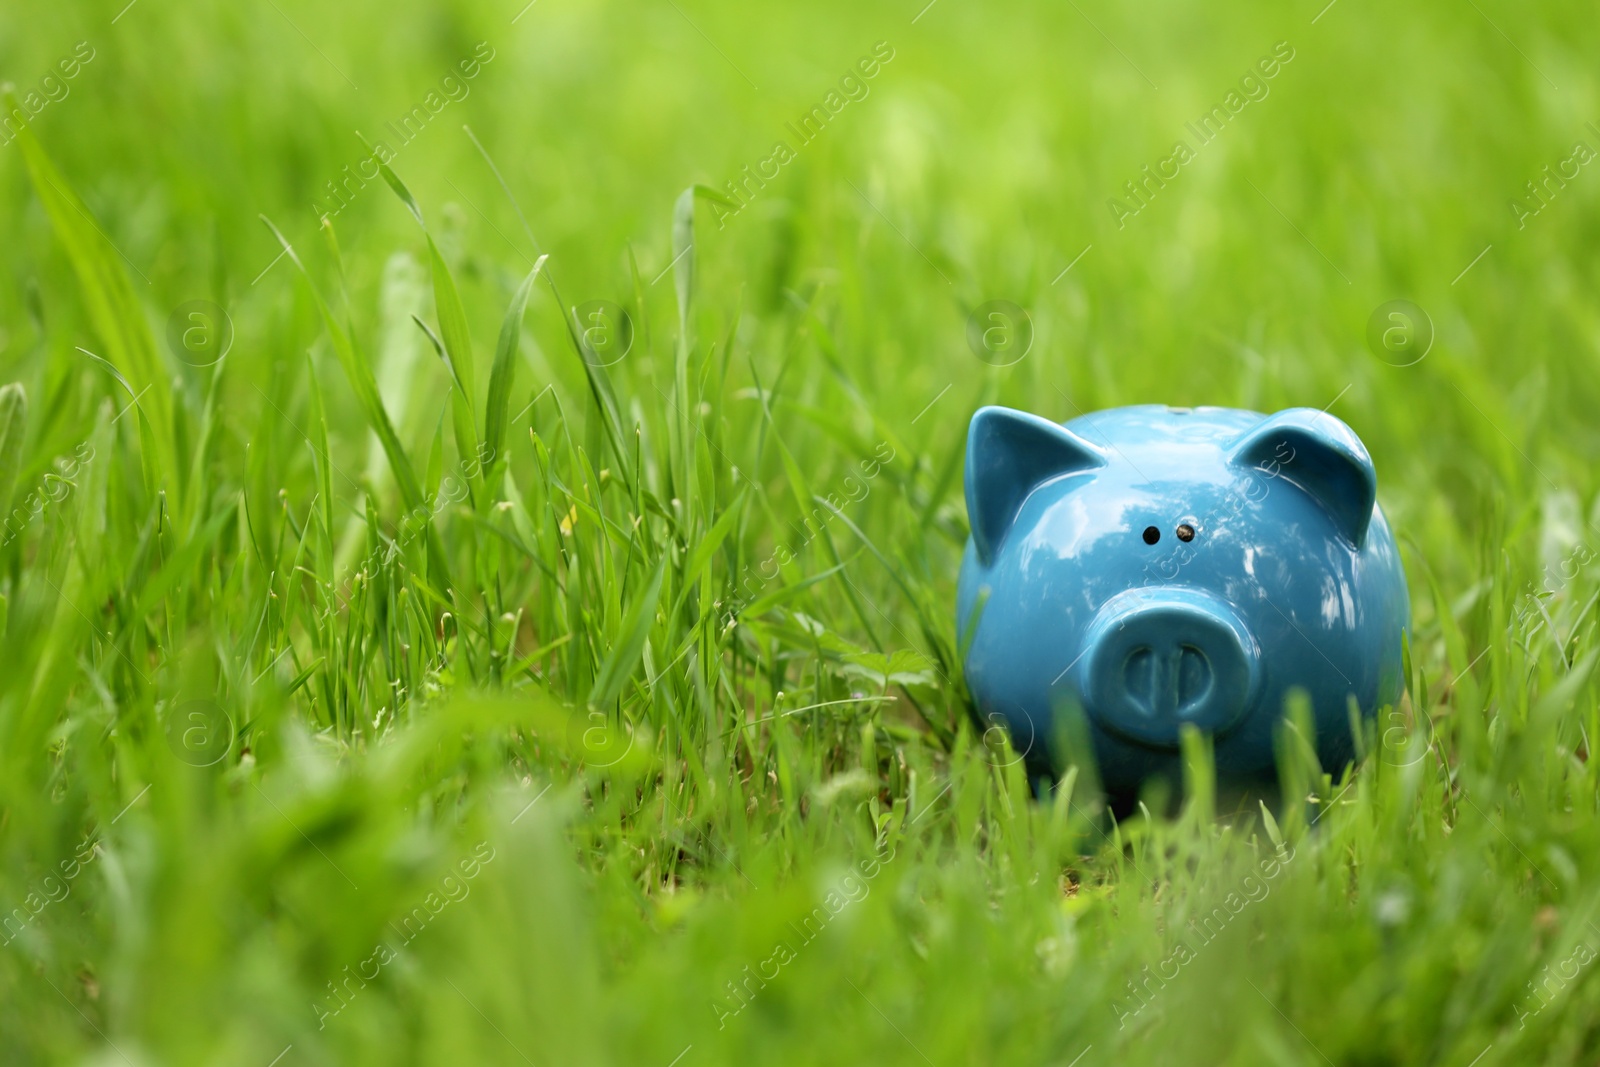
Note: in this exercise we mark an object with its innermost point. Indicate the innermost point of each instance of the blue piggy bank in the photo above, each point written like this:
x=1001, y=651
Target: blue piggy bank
x=1160, y=566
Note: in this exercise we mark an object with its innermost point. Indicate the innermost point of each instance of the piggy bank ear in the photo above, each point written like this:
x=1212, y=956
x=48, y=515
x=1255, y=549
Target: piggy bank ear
x=1322, y=457
x=1009, y=453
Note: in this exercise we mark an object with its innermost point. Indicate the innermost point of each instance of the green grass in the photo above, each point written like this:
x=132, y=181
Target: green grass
x=543, y=704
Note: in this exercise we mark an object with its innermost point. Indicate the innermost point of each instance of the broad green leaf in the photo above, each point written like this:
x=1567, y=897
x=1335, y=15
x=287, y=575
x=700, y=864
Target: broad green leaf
x=902, y=667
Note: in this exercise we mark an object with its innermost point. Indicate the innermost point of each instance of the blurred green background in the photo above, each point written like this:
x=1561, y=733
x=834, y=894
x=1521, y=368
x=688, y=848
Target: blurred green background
x=382, y=717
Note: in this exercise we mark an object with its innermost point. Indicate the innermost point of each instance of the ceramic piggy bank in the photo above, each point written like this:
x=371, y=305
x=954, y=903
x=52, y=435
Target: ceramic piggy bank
x=1156, y=566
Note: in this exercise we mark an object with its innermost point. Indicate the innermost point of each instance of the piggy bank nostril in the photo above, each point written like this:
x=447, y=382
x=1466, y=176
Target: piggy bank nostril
x=1194, y=677
x=1139, y=675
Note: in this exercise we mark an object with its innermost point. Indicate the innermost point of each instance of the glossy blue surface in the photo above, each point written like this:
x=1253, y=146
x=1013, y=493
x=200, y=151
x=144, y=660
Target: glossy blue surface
x=1290, y=579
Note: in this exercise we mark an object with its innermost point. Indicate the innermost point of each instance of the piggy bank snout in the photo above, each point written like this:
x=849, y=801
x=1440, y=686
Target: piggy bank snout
x=1156, y=659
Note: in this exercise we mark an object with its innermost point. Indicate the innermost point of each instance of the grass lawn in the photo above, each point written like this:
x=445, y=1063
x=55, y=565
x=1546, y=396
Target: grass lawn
x=397, y=669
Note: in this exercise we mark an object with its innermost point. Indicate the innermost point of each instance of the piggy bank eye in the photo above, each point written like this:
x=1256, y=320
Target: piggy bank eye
x=1185, y=532
x=1151, y=535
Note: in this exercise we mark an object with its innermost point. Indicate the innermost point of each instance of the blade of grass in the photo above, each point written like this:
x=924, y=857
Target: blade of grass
x=453, y=330
x=359, y=373
x=502, y=376
x=13, y=427
x=113, y=308
x=624, y=655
